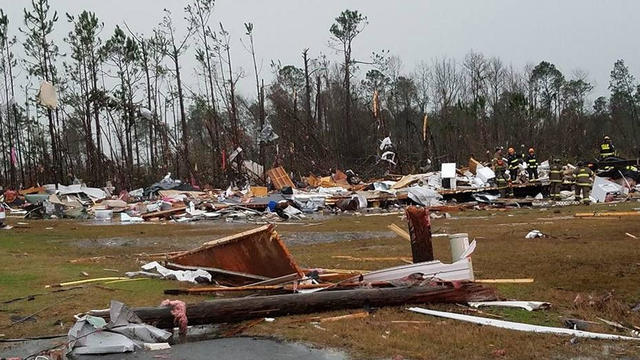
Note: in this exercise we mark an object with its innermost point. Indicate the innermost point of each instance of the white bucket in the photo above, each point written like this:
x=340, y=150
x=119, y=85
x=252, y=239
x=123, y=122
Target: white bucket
x=459, y=244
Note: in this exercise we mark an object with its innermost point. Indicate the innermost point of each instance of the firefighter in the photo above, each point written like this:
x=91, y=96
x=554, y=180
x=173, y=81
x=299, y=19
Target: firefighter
x=583, y=181
x=555, y=178
x=532, y=165
x=568, y=179
x=502, y=180
x=497, y=154
x=606, y=148
x=513, y=161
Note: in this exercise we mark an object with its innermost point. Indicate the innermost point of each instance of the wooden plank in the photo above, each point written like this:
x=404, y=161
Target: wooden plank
x=399, y=231
x=504, y=281
x=473, y=165
x=608, y=214
x=279, y=178
x=164, y=213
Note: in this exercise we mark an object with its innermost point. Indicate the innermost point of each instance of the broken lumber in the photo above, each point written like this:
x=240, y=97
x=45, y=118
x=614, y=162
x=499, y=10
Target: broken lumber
x=399, y=231
x=240, y=309
x=353, y=258
x=420, y=234
x=209, y=290
x=608, y=214
x=164, y=213
x=279, y=178
x=504, y=281
x=86, y=281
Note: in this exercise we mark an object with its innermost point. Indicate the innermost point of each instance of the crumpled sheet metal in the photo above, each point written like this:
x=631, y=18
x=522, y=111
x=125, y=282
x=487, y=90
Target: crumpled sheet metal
x=124, y=333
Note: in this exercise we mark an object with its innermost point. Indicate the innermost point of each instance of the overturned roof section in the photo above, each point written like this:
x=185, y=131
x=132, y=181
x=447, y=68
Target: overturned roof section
x=259, y=252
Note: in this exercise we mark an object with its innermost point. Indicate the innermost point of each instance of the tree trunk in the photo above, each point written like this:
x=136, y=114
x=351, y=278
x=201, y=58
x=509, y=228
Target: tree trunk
x=183, y=116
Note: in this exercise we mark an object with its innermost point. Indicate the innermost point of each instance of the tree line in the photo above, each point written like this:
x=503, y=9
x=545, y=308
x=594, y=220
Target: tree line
x=125, y=114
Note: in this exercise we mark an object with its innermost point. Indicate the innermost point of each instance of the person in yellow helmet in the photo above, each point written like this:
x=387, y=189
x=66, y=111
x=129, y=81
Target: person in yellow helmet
x=606, y=148
x=513, y=160
x=532, y=165
x=502, y=180
x=555, y=179
x=584, y=181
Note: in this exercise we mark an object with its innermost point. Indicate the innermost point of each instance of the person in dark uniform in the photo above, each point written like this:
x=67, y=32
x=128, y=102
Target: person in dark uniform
x=532, y=165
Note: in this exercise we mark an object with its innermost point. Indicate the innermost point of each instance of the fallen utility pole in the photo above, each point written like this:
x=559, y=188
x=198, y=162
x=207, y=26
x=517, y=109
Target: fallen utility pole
x=240, y=309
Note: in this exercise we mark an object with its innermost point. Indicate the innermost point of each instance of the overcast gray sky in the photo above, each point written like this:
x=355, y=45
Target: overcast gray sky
x=573, y=34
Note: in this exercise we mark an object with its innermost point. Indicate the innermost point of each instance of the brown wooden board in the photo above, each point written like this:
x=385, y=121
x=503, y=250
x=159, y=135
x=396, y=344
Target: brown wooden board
x=259, y=252
x=279, y=178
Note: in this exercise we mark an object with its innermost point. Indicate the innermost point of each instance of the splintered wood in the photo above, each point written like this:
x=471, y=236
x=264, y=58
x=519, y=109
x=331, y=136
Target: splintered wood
x=420, y=233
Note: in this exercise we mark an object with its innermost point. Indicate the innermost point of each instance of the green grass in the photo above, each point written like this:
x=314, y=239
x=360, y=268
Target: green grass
x=585, y=258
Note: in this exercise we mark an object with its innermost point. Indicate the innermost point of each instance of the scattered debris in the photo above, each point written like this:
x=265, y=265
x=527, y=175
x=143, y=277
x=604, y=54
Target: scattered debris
x=535, y=234
x=527, y=305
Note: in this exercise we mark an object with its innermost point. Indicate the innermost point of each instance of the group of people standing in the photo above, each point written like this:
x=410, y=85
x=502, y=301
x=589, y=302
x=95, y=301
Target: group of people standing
x=507, y=171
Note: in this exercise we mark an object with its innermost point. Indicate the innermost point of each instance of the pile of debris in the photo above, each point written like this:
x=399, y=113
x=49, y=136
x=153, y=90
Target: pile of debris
x=451, y=189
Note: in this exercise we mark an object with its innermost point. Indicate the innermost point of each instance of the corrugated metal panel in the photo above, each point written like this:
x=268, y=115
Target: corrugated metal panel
x=259, y=251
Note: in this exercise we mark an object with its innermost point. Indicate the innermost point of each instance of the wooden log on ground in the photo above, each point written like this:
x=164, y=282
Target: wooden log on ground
x=241, y=309
x=420, y=232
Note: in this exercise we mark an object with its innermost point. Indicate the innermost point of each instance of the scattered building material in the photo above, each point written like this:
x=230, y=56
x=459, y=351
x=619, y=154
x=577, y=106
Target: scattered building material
x=240, y=309
x=259, y=252
x=521, y=326
x=193, y=276
x=358, y=315
x=399, y=231
x=420, y=234
x=459, y=270
x=504, y=281
x=607, y=214
x=353, y=258
x=279, y=178
x=534, y=234
x=123, y=333
x=218, y=272
x=209, y=290
x=164, y=213
x=86, y=281
x=527, y=305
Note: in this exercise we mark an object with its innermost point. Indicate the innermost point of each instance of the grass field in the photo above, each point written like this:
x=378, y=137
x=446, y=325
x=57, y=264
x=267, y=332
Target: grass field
x=581, y=262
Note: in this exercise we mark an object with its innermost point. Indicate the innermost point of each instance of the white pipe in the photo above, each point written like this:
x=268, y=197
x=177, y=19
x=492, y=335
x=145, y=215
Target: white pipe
x=520, y=326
